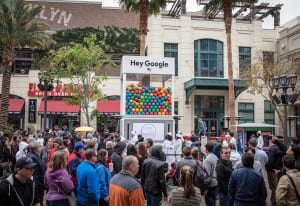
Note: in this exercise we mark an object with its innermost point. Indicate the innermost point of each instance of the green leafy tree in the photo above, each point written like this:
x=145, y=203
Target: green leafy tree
x=78, y=63
x=18, y=29
x=227, y=6
x=144, y=8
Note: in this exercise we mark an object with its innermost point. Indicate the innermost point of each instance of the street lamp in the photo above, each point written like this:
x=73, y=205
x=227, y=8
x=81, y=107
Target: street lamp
x=284, y=83
x=45, y=84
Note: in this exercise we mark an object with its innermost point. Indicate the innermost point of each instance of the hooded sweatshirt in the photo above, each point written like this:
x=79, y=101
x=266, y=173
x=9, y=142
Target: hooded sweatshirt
x=22, y=152
x=58, y=178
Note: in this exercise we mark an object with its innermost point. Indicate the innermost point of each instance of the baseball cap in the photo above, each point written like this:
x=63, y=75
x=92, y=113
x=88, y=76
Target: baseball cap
x=79, y=145
x=25, y=162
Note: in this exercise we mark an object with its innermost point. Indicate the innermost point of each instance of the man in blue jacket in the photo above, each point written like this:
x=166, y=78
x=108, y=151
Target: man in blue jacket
x=88, y=188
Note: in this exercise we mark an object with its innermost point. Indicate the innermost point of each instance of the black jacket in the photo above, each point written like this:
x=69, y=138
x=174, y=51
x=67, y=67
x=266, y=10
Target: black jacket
x=223, y=170
x=25, y=191
x=153, y=176
x=275, y=155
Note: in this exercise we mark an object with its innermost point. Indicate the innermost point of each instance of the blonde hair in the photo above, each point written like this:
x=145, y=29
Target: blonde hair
x=58, y=161
x=186, y=181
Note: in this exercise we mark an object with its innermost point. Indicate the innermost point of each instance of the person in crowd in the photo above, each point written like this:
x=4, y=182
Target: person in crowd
x=140, y=139
x=289, y=184
x=171, y=174
x=201, y=127
x=260, y=155
x=185, y=194
x=57, y=180
x=14, y=149
x=187, y=160
x=109, y=145
x=224, y=170
x=34, y=153
x=5, y=158
x=116, y=157
x=178, y=147
x=153, y=177
x=19, y=188
x=149, y=145
x=168, y=149
x=260, y=140
x=141, y=150
x=58, y=142
x=195, y=154
x=256, y=165
x=294, y=151
x=209, y=165
x=275, y=154
x=124, y=188
x=46, y=149
x=88, y=190
x=133, y=137
x=74, y=160
x=104, y=177
x=234, y=154
x=195, y=142
x=232, y=140
x=246, y=185
x=132, y=150
x=23, y=148
x=217, y=147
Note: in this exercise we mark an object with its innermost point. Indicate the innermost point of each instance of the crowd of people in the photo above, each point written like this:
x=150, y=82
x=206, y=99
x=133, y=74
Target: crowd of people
x=101, y=170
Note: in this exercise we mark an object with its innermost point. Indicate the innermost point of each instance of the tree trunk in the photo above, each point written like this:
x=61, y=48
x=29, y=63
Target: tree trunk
x=7, y=59
x=144, y=13
x=227, y=7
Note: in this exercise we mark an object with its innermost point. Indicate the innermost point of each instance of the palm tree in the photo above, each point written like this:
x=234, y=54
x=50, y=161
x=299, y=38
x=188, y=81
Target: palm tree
x=18, y=29
x=145, y=8
x=227, y=6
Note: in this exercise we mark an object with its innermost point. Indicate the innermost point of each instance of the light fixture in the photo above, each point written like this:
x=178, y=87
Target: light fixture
x=275, y=82
x=283, y=80
x=293, y=81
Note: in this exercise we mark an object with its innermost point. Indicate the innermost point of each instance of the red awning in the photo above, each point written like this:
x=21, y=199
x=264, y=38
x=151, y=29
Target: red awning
x=15, y=105
x=59, y=107
x=108, y=106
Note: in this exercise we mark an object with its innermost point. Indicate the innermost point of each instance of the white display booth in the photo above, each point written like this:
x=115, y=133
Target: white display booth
x=147, y=109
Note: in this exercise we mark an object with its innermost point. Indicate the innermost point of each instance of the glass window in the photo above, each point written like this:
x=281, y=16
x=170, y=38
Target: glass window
x=244, y=58
x=269, y=112
x=171, y=50
x=268, y=58
x=208, y=58
x=246, y=112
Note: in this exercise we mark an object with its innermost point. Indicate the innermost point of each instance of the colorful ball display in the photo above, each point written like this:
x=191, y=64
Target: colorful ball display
x=142, y=100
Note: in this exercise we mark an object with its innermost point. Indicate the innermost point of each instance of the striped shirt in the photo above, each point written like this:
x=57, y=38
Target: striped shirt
x=176, y=198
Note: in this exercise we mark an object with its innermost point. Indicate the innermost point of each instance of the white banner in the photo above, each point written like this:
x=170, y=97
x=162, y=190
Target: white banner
x=155, y=131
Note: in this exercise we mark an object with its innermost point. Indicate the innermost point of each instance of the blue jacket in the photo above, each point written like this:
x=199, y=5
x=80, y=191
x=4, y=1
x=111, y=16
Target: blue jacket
x=104, y=179
x=87, y=184
x=247, y=186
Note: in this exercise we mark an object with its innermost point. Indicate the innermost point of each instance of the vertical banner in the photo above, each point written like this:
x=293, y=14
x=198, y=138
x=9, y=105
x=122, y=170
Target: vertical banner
x=32, y=111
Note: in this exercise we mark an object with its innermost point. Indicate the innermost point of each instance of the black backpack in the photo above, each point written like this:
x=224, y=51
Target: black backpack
x=201, y=178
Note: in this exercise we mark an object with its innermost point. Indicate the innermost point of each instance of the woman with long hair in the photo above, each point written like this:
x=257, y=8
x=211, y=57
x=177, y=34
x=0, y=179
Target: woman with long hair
x=58, y=181
x=185, y=194
x=104, y=176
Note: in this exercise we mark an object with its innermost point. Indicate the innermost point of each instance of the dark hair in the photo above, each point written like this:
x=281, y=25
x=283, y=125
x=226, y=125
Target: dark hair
x=209, y=146
x=131, y=150
x=247, y=149
x=149, y=141
x=231, y=134
x=288, y=162
x=169, y=137
x=232, y=146
x=248, y=159
x=186, y=181
x=296, y=149
x=252, y=142
x=141, y=149
x=195, y=152
x=89, y=153
x=101, y=156
x=295, y=140
x=187, y=151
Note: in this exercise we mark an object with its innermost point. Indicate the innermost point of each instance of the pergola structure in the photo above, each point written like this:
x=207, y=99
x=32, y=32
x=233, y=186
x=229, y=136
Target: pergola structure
x=242, y=11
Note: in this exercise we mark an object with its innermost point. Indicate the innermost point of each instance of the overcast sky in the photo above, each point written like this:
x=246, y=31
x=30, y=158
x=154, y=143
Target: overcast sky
x=290, y=9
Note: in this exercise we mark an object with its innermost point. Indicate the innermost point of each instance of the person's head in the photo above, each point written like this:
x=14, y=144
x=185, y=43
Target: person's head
x=157, y=152
x=130, y=164
x=109, y=145
x=225, y=153
x=248, y=159
x=232, y=146
x=24, y=168
x=231, y=134
x=58, y=161
x=140, y=138
x=250, y=150
x=131, y=150
x=102, y=156
x=199, y=119
x=209, y=147
x=288, y=162
x=295, y=140
x=91, y=144
x=79, y=147
x=35, y=146
x=195, y=152
x=120, y=147
x=148, y=143
x=187, y=151
x=258, y=133
x=141, y=149
x=65, y=150
x=91, y=155
x=58, y=141
x=186, y=181
x=252, y=142
x=50, y=143
x=294, y=150
x=169, y=137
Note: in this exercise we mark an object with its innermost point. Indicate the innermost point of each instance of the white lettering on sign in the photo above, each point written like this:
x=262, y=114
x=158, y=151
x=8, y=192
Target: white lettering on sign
x=53, y=14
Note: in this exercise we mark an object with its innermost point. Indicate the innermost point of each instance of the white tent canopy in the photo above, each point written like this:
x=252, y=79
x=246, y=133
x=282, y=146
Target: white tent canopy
x=254, y=125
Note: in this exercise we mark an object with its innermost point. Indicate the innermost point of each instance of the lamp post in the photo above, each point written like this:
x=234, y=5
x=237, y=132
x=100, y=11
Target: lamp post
x=227, y=118
x=284, y=83
x=45, y=84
